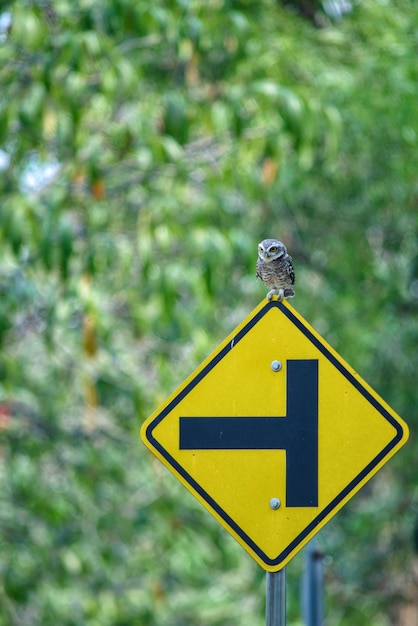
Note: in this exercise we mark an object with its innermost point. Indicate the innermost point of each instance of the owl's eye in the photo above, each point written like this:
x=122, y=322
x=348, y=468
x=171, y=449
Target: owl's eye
x=273, y=249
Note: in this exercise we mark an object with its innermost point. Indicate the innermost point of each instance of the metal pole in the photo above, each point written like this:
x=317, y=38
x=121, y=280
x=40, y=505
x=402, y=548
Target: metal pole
x=313, y=587
x=276, y=598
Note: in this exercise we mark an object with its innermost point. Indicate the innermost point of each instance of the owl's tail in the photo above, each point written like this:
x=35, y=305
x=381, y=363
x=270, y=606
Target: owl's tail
x=289, y=293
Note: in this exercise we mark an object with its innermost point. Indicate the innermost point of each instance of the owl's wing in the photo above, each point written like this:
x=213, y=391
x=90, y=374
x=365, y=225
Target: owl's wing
x=257, y=267
x=290, y=270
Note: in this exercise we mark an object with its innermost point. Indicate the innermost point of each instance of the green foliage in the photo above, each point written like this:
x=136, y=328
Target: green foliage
x=146, y=147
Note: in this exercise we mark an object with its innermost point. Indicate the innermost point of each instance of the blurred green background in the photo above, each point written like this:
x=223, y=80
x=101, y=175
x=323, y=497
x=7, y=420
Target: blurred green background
x=145, y=148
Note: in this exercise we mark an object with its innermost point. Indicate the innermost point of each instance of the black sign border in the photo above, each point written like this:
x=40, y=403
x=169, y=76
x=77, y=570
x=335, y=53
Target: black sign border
x=336, y=501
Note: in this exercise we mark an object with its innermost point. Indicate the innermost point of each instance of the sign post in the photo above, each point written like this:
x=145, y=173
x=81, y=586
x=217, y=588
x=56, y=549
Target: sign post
x=273, y=433
x=313, y=587
x=276, y=598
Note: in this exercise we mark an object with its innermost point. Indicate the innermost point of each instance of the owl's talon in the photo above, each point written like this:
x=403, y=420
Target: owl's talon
x=280, y=293
x=270, y=294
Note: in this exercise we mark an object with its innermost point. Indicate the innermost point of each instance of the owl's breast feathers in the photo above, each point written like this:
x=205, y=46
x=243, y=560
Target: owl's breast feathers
x=276, y=274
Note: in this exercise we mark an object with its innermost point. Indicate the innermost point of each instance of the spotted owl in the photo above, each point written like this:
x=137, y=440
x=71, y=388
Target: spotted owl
x=274, y=267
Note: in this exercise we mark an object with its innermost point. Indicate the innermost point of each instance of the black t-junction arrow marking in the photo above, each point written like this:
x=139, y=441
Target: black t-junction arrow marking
x=296, y=433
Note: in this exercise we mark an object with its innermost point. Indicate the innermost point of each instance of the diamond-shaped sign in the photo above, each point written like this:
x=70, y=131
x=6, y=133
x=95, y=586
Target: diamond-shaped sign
x=274, y=433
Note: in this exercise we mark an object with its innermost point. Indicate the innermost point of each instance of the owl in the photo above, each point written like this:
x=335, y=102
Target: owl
x=274, y=267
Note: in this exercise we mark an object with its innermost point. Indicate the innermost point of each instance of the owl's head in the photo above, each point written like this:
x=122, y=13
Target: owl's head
x=271, y=249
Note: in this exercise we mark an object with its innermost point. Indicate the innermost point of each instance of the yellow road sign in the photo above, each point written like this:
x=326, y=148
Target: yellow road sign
x=274, y=433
